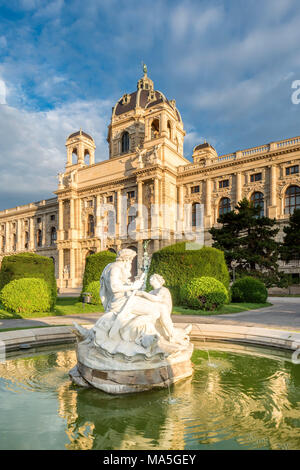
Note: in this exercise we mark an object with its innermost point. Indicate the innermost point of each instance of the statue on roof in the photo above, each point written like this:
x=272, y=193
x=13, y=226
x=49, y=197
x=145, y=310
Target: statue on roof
x=145, y=68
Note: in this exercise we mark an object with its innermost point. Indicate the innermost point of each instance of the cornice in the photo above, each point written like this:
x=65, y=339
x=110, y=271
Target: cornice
x=269, y=157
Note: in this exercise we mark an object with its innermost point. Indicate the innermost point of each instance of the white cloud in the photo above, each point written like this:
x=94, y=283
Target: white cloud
x=32, y=144
x=2, y=92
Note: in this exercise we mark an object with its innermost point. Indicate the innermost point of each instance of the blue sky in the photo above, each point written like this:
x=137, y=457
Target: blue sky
x=229, y=64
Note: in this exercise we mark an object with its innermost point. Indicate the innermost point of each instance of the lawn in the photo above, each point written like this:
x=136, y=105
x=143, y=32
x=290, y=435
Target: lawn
x=64, y=306
x=71, y=305
x=229, y=308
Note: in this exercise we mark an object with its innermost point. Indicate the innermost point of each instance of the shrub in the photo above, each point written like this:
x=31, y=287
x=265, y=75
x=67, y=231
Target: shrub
x=249, y=289
x=205, y=293
x=94, y=289
x=178, y=265
x=26, y=295
x=94, y=266
x=29, y=265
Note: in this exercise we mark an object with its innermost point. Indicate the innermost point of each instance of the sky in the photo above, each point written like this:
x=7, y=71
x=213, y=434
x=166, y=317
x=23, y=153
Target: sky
x=229, y=64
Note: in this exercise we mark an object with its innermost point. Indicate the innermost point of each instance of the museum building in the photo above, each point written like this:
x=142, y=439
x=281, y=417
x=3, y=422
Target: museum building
x=146, y=169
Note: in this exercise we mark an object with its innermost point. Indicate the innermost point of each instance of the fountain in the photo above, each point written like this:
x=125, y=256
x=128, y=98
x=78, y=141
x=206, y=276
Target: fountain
x=134, y=346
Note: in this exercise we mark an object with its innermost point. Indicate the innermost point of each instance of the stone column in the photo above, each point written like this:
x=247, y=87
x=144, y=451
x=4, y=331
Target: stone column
x=19, y=235
x=31, y=234
x=272, y=212
x=72, y=214
x=72, y=266
x=238, y=187
x=163, y=123
x=61, y=234
x=140, y=207
x=69, y=156
x=155, y=211
x=44, y=230
x=273, y=185
x=7, y=237
x=119, y=208
x=208, y=197
x=61, y=267
x=180, y=215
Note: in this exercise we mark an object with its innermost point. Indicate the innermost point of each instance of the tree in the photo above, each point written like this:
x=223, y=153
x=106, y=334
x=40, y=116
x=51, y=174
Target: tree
x=291, y=242
x=248, y=242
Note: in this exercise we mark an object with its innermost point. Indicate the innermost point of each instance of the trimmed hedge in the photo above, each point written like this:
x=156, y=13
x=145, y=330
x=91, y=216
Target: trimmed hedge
x=178, y=265
x=249, y=289
x=94, y=288
x=205, y=293
x=26, y=295
x=29, y=265
x=94, y=266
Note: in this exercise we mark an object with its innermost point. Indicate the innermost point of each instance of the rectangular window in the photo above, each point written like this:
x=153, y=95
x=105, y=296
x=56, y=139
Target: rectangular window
x=52, y=217
x=256, y=177
x=195, y=189
x=131, y=194
x=109, y=199
x=292, y=170
x=39, y=220
x=224, y=184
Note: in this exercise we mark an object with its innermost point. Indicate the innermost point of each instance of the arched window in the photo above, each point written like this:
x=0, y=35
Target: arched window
x=74, y=156
x=39, y=238
x=195, y=214
x=224, y=206
x=258, y=201
x=53, y=234
x=292, y=199
x=131, y=220
x=155, y=129
x=169, y=128
x=2, y=243
x=53, y=259
x=91, y=226
x=125, y=142
x=26, y=240
x=87, y=157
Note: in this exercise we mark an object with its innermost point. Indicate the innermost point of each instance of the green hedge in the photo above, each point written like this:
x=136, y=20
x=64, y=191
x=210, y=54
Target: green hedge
x=94, y=266
x=94, y=289
x=205, y=293
x=29, y=265
x=249, y=289
x=26, y=295
x=178, y=265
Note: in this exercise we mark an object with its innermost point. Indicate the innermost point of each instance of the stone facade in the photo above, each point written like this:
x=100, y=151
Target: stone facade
x=146, y=168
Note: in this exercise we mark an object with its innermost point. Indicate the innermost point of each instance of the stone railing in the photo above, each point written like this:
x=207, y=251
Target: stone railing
x=244, y=153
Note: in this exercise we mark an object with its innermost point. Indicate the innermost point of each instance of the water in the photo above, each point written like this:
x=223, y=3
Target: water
x=242, y=398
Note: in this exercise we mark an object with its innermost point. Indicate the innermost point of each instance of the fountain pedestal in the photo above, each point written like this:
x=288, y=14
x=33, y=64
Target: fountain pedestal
x=134, y=346
x=120, y=374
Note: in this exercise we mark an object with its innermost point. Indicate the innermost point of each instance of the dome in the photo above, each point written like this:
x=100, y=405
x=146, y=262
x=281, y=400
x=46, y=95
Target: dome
x=145, y=97
x=80, y=132
x=203, y=146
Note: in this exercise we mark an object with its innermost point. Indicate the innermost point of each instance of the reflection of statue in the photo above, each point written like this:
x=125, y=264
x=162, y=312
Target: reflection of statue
x=136, y=327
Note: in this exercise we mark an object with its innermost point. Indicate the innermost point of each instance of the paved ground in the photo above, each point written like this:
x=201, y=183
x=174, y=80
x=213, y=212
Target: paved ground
x=283, y=314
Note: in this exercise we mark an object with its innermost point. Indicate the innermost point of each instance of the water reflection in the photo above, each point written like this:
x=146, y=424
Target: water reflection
x=243, y=398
